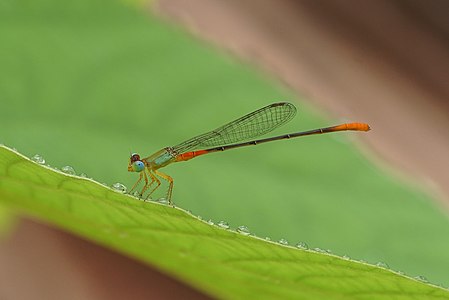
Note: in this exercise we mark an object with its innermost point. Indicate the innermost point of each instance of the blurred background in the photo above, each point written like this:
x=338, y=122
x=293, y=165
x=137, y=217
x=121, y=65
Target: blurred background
x=84, y=83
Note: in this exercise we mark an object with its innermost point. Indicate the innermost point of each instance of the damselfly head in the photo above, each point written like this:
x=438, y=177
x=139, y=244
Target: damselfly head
x=134, y=157
x=135, y=164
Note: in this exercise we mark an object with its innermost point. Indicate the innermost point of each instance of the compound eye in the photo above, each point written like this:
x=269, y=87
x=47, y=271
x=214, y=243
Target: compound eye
x=135, y=157
x=138, y=166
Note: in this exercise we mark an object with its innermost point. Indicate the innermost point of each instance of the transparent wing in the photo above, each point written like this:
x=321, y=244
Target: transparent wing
x=249, y=126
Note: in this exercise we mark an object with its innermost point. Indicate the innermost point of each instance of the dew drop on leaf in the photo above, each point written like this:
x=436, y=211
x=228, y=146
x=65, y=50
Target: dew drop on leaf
x=162, y=201
x=223, y=224
x=283, y=242
x=119, y=187
x=382, y=265
x=68, y=170
x=319, y=250
x=38, y=159
x=421, y=278
x=302, y=245
x=243, y=230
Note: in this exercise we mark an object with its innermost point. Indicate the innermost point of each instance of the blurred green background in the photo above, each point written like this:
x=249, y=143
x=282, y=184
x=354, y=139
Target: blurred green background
x=84, y=83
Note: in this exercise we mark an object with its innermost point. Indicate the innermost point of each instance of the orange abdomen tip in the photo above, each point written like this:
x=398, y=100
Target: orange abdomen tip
x=358, y=126
x=351, y=126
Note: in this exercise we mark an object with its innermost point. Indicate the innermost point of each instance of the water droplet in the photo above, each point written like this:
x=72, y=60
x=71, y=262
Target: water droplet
x=421, y=278
x=162, y=201
x=199, y=217
x=84, y=175
x=119, y=187
x=68, y=170
x=283, y=242
x=136, y=194
x=39, y=159
x=319, y=250
x=346, y=257
x=268, y=239
x=302, y=245
x=243, y=230
x=382, y=265
x=223, y=224
x=210, y=222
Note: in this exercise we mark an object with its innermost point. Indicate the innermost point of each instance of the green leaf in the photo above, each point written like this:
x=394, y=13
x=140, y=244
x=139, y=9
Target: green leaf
x=86, y=82
x=221, y=262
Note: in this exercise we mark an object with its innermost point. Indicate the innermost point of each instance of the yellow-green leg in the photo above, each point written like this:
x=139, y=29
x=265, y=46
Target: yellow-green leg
x=138, y=181
x=170, y=184
x=147, y=184
x=153, y=179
